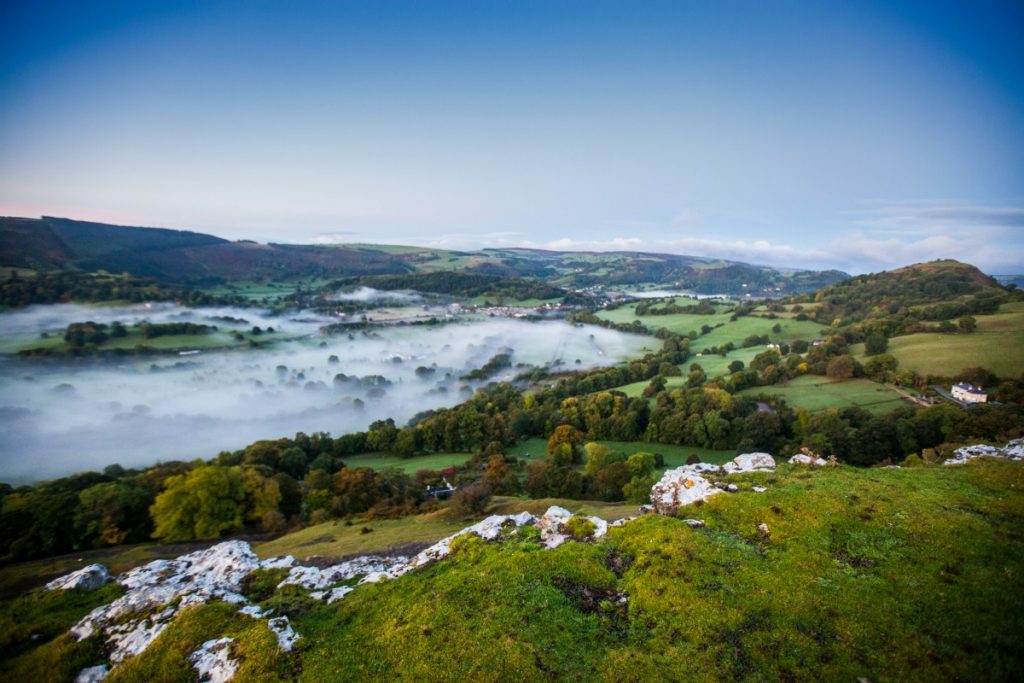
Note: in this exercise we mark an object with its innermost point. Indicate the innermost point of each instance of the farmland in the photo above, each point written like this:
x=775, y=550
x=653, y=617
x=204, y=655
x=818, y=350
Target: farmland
x=816, y=393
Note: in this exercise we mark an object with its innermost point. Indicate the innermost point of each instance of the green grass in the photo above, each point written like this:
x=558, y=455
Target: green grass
x=914, y=574
x=432, y=461
x=814, y=392
x=997, y=345
x=887, y=574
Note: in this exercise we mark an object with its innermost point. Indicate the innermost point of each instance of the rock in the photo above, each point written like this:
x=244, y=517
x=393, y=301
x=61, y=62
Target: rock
x=763, y=529
x=694, y=523
x=92, y=674
x=193, y=579
x=1014, y=450
x=680, y=487
x=286, y=635
x=314, y=578
x=213, y=662
x=804, y=459
x=278, y=562
x=488, y=529
x=87, y=578
x=758, y=489
x=732, y=488
x=750, y=462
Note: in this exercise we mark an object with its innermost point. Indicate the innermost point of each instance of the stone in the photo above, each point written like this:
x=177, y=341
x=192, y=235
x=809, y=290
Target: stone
x=694, y=523
x=213, y=662
x=750, y=462
x=758, y=489
x=1014, y=450
x=804, y=459
x=87, y=579
x=92, y=674
x=680, y=487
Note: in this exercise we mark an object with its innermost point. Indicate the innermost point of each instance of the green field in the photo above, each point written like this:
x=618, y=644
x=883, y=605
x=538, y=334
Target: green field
x=814, y=392
x=997, y=345
x=432, y=461
x=537, y=449
x=257, y=291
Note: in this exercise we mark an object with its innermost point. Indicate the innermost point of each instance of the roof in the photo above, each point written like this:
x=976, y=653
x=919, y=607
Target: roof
x=969, y=388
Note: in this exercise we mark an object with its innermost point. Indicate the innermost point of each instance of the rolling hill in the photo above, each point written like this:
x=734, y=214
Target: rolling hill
x=194, y=259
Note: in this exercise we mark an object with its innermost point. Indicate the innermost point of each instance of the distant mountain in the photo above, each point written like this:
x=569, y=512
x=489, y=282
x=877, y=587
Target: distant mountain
x=194, y=259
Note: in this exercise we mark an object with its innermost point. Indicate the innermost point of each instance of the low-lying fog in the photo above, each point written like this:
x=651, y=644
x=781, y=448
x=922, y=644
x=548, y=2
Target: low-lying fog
x=59, y=417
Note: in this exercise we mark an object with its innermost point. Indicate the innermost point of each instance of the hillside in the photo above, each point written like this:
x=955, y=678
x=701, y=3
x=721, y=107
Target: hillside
x=189, y=258
x=936, y=290
x=826, y=574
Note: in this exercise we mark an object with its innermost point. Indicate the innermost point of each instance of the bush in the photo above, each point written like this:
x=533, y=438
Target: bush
x=579, y=527
x=469, y=501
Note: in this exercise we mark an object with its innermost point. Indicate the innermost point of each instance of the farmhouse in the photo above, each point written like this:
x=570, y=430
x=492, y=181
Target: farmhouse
x=968, y=393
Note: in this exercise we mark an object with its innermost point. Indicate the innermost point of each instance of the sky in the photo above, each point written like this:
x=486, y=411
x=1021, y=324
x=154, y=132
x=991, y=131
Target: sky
x=854, y=135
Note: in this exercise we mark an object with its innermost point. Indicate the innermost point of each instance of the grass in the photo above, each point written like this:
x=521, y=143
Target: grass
x=814, y=392
x=432, y=461
x=886, y=574
x=997, y=345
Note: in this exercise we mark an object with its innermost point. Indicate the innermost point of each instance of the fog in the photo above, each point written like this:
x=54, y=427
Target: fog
x=64, y=416
x=367, y=295
x=664, y=293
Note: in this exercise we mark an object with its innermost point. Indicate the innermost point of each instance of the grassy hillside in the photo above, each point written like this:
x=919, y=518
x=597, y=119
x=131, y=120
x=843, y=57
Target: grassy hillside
x=883, y=574
x=997, y=345
x=814, y=392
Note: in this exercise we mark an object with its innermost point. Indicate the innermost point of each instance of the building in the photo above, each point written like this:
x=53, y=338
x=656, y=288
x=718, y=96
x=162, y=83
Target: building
x=968, y=393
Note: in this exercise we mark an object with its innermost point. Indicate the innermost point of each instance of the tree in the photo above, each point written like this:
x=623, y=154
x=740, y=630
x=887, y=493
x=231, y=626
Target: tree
x=563, y=446
x=967, y=324
x=202, y=504
x=735, y=366
x=599, y=457
x=840, y=368
x=498, y=476
x=112, y=512
x=470, y=501
x=875, y=343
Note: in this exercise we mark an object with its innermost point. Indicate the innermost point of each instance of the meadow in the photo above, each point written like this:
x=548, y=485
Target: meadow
x=674, y=456
x=997, y=345
x=814, y=392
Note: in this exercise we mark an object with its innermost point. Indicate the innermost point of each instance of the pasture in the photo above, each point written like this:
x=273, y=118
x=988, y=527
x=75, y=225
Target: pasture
x=431, y=461
x=814, y=392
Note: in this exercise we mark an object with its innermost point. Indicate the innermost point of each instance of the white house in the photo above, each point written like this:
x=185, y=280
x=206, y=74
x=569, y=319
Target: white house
x=968, y=393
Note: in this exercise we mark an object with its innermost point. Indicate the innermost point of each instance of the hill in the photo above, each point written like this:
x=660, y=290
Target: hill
x=189, y=258
x=937, y=290
x=827, y=574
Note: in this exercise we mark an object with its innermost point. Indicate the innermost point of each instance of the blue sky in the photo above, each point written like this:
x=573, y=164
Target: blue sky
x=856, y=135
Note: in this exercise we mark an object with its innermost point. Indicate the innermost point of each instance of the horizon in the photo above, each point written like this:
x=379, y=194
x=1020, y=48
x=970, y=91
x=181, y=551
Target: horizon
x=799, y=135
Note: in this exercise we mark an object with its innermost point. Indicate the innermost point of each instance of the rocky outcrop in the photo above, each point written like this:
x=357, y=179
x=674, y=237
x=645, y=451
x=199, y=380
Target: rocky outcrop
x=87, y=579
x=688, y=484
x=1014, y=450
x=805, y=459
x=213, y=662
x=92, y=674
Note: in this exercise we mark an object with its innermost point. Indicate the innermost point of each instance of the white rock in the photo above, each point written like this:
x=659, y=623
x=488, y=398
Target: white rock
x=694, y=523
x=314, y=578
x=550, y=525
x=286, y=635
x=278, y=562
x=254, y=611
x=804, y=459
x=213, y=662
x=1014, y=450
x=488, y=529
x=92, y=674
x=732, y=488
x=758, y=489
x=87, y=578
x=680, y=487
x=620, y=522
x=750, y=462
x=763, y=528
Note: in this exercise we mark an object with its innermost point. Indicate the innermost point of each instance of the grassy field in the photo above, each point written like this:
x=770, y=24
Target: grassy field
x=432, y=461
x=997, y=345
x=814, y=392
x=536, y=449
x=831, y=574
x=257, y=291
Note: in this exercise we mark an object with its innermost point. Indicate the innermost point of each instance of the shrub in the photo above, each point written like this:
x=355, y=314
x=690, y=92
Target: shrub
x=469, y=501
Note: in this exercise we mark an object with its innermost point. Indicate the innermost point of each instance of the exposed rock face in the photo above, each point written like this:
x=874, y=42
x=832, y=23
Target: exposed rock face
x=678, y=488
x=87, y=578
x=213, y=662
x=686, y=485
x=317, y=579
x=1014, y=450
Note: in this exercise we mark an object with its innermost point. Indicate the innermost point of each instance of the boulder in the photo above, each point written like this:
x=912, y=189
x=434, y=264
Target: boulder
x=87, y=579
x=750, y=462
x=92, y=674
x=804, y=459
x=680, y=487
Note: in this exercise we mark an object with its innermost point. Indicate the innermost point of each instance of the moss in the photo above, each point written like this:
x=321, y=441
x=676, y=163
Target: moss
x=579, y=527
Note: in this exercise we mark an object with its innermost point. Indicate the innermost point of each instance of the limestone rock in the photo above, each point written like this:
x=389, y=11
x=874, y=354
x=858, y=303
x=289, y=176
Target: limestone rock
x=804, y=459
x=678, y=488
x=92, y=674
x=87, y=578
x=1014, y=450
x=213, y=662
x=750, y=462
